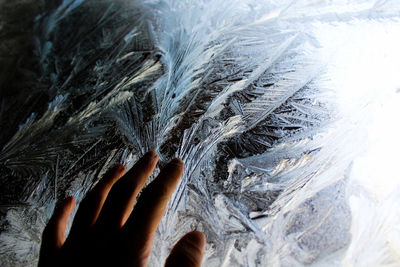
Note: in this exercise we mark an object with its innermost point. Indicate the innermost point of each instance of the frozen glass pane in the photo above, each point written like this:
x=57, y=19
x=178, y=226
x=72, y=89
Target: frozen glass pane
x=284, y=112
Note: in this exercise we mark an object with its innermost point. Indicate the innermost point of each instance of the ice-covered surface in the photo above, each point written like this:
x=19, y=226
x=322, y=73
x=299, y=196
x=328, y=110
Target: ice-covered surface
x=284, y=112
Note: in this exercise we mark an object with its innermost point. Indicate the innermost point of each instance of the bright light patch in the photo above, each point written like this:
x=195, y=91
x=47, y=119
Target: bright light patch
x=364, y=71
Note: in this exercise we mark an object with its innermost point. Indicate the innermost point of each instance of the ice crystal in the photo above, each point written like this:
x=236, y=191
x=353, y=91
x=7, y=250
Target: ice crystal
x=238, y=89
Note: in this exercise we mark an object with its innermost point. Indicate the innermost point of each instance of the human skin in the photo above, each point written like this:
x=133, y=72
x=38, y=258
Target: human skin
x=111, y=229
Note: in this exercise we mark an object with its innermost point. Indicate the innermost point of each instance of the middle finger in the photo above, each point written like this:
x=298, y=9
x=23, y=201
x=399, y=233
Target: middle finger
x=122, y=197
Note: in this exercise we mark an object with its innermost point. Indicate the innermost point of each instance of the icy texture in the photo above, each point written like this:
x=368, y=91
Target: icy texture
x=237, y=89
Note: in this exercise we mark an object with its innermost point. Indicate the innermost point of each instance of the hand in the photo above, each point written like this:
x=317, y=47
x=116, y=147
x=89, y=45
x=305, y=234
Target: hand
x=107, y=231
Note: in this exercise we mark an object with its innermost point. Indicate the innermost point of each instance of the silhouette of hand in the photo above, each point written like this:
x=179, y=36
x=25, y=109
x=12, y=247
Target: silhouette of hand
x=110, y=230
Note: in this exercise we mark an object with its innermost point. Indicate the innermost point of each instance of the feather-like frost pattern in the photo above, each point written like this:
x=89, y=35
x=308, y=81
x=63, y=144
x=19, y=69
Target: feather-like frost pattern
x=238, y=89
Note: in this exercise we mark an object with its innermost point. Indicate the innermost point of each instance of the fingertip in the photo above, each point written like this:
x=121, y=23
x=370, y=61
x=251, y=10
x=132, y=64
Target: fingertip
x=171, y=173
x=68, y=206
x=151, y=154
x=147, y=162
x=63, y=207
x=111, y=176
x=70, y=202
x=194, y=239
x=119, y=170
x=177, y=162
x=189, y=250
x=70, y=199
x=197, y=237
x=176, y=167
x=150, y=158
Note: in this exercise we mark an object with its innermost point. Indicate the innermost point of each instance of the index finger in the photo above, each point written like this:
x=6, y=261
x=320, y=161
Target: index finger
x=146, y=216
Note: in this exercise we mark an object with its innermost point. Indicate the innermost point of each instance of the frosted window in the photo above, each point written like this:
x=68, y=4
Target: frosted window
x=284, y=112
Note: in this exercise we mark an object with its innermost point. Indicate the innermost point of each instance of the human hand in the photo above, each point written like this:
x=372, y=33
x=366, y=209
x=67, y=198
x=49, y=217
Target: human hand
x=107, y=231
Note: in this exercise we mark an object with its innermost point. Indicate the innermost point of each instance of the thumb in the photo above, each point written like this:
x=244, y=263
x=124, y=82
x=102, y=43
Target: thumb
x=54, y=233
x=188, y=251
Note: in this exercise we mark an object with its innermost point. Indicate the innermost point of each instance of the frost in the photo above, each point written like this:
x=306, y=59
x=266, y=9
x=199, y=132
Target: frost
x=257, y=97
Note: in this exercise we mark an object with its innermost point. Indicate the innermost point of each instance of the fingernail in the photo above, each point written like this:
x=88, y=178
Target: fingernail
x=67, y=201
x=199, y=238
x=150, y=156
x=69, y=198
x=195, y=239
x=177, y=162
x=119, y=168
